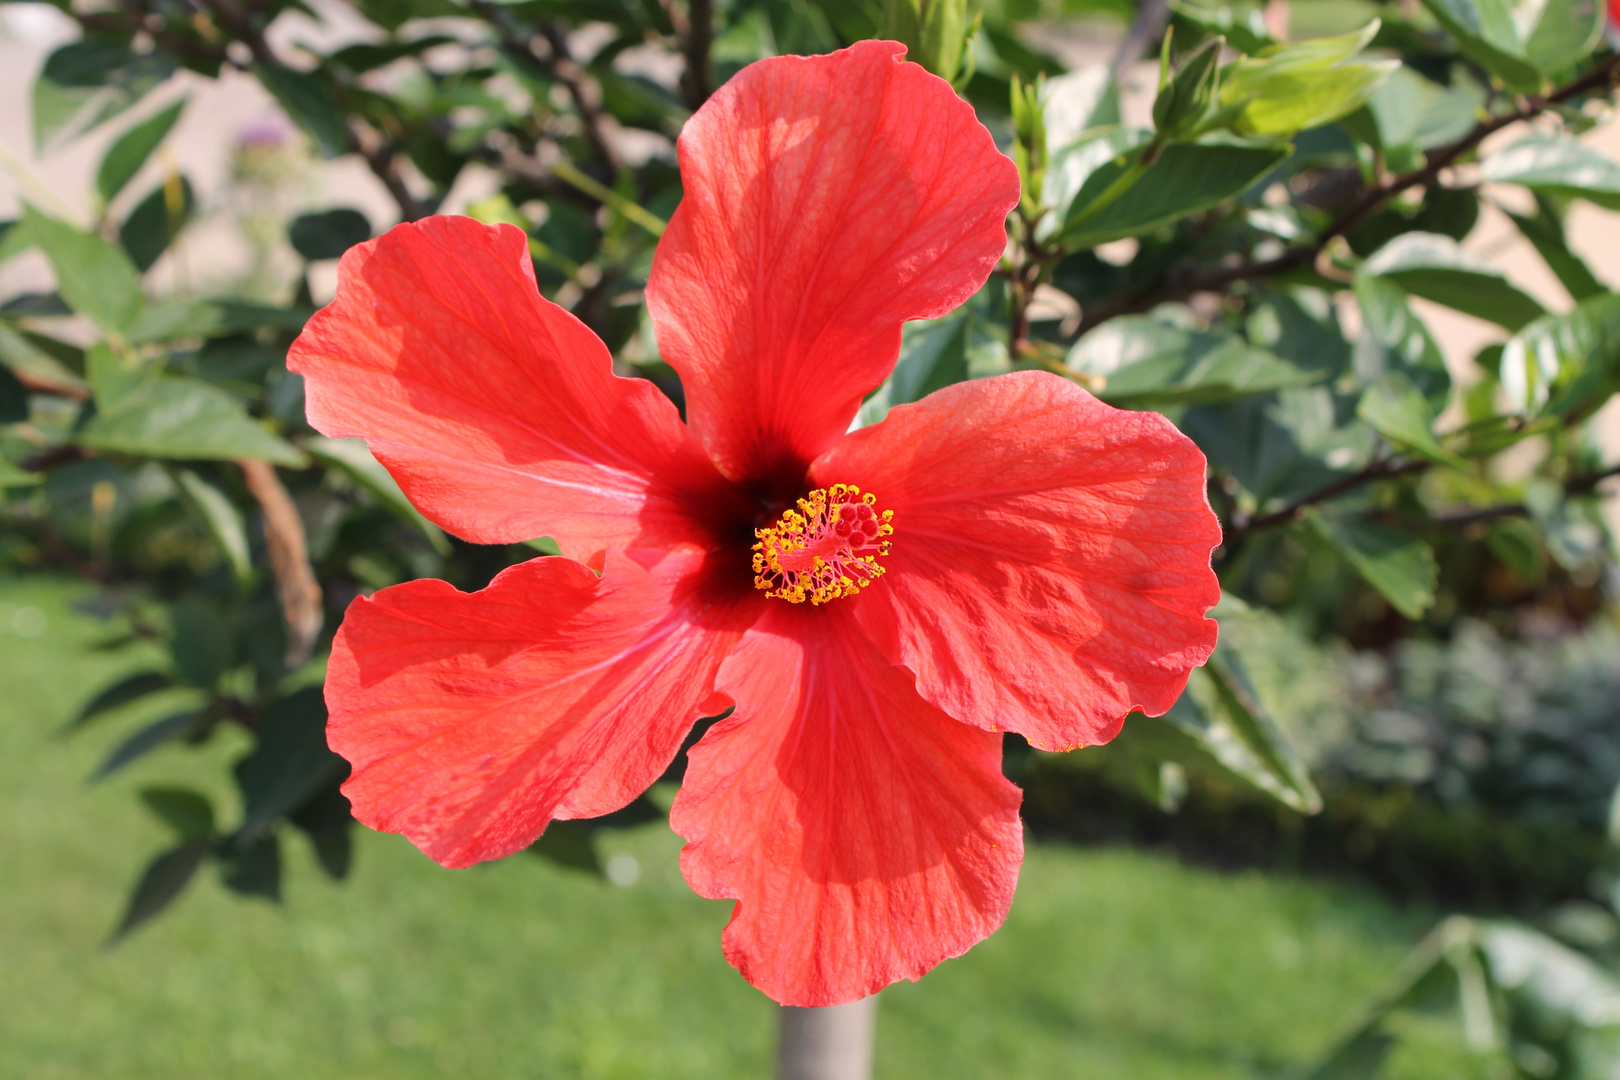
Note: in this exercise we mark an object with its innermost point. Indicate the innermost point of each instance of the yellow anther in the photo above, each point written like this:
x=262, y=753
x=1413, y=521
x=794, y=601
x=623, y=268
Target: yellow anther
x=827, y=547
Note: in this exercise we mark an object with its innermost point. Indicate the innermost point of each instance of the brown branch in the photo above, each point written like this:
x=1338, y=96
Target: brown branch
x=696, y=37
x=1148, y=26
x=1242, y=525
x=299, y=592
x=1181, y=286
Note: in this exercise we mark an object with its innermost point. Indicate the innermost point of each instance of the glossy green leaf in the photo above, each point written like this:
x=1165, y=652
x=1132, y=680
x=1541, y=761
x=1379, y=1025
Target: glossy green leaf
x=1393, y=338
x=1291, y=101
x=175, y=417
x=1395, y=408
x=1410, y=110
x=164, y=879
x=354, y=460
x=126, y=156
x=1399, y=566
x=1570, y=355
x=187, y=812
x=329, y=234
x=1566, y=33
x=1559, y=165
x=89, y=81
x=219, y=517
x=145, y=740
x=290, y=763
x=310, y=105
x=1486, y=32
x=93, y=276
x=1184, y=179
x=1436, y=268
x=130, y=688
x=1141, y=362
x=1070, y=167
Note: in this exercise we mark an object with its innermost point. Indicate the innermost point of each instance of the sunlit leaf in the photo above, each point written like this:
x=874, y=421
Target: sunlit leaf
x=126, y=156
x=93, y=276
x=1437, y=268
x=179, y=418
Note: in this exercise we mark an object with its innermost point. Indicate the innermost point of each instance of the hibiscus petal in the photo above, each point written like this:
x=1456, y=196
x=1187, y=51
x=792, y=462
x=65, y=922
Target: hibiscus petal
x=827, y=199
x=496, y=410
x=1051, y=555
x=471, y=719
x=866, y=835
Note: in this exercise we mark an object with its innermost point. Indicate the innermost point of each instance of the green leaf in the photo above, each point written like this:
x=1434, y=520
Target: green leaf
x=188, y=813
x=160, y=885
x=326, y=820
x=13, y=477
x=220, y=517
x=1559, y=986
x=290, y=763
x=148, y=738
x=94, y=277
x=89, y=81
x=1557, y=165
x=1183, y=102
x=329, y=234
x=126, y=156
x=1399, y=566
x=181, y=418
x=1572, y=355
x=1436, y=268
x=310, y=104
x=570, y=844
x=392, y=14
x=1395, y=339
x=1546, y=232
x=354, y=460
x=1485, y=31
x=167, y=320
x=156, y=220
x=1409, y=110
x=113, y=377
x=202, y=643
x=1567, y=32
x=1395, y=408
x=129, y=688
x=1184, y=179
x=254, y=870
x=1070, y=167
x=26, y=354
x=1139, y=361
x=1077, y=102
x=1295, y=87
x=13, y=398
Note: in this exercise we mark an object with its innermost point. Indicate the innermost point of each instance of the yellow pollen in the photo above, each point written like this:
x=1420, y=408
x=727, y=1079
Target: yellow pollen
x=826, y=548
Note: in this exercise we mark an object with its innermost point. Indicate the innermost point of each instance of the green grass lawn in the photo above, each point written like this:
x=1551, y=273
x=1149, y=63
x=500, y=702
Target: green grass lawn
x=1113, y=964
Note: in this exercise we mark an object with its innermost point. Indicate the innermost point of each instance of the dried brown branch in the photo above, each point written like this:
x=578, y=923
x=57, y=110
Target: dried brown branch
x=296, y=587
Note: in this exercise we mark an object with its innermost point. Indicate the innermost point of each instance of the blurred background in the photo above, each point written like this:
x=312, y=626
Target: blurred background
x=1376, y=836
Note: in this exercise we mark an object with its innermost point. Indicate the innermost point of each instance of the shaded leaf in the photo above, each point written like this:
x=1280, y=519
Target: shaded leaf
x=569, y=844
x=326, y=820
x=310, y=104
x=254, y=870
x=126, y=156
x=329, y=234
x=93, y=276
x=89, y=81
x=289, y=764
x=148, y=738
x=156, y=220
x=188, y=813
x=160, y=885
x=219, y=516
x=1546, y=233
x=1436, y=268
x=1400, y=567
x=1567, y=32
x=354, y=460
x=13, y=398
x=129, y=688
x=201, y=643
x=177, y=417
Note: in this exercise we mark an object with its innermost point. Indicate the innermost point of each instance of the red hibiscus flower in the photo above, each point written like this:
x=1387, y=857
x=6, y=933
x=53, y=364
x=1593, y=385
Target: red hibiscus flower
x=877, y=606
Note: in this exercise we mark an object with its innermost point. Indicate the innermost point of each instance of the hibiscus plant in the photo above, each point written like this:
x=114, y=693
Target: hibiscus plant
x=829, y=395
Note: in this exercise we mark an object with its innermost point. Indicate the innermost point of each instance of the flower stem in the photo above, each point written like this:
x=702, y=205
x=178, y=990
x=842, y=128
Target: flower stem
x=834, y=1043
